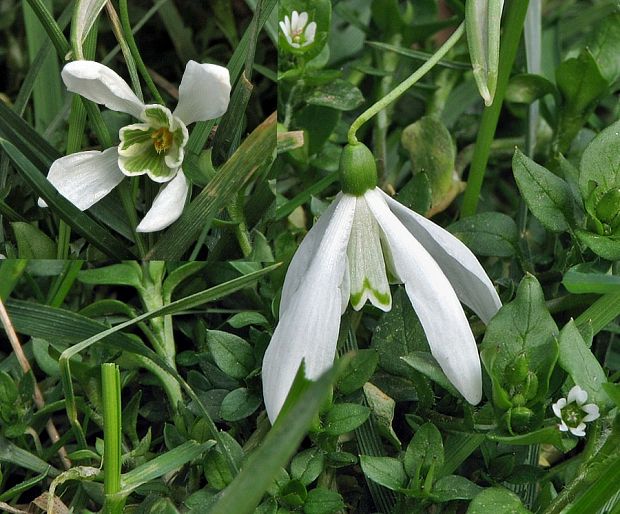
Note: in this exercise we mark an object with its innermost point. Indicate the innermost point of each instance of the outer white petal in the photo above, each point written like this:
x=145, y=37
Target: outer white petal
x=305, y=254
x=294, y=21
x=310, y=33
x=468, y=278
x=579, y=431
x=558, y=406
x=563, y=427
x=435, y=302
x=84, y=178
x=592, y=412
x=576, y=394
x=301, y=22
x=102, y=85
x=308, y=327
x=167, y=206
x=204, y=92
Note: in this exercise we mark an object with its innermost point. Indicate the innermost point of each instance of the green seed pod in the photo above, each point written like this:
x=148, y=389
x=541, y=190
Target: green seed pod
x=518, y=420
x=608, y=208
x=358, y=170
x=516, y=372
x=531, y=385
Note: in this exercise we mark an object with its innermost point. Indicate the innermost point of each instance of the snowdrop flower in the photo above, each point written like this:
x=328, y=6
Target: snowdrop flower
x=155, y=146
x=364, y=239
x=573, y=413
x=297, y=31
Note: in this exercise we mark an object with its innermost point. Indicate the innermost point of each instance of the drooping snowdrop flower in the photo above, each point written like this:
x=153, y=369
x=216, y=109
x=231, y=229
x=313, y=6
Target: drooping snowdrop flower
x=297, y=31
x=574, y=413
x=363, y=238
x=155, y=146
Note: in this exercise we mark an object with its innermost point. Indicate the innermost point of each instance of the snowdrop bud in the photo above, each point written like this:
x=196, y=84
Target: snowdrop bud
x=358, y=170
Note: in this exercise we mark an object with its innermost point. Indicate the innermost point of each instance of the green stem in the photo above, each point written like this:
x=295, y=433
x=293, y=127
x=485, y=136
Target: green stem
x=602, y=312
x=515, y=17
x=405, y=84
x=130, y=209
x=131, y=42
x=111, y=388
x=51, y=27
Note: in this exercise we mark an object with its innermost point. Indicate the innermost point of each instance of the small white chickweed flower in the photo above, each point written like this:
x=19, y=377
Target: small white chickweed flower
x=573, y=413
x=297, y=31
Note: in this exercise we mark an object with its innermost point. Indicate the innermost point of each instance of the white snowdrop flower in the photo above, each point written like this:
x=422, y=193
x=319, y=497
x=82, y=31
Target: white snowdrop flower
x=574, y=413
x=297, y=31
x=155, y=146
x=363, y=238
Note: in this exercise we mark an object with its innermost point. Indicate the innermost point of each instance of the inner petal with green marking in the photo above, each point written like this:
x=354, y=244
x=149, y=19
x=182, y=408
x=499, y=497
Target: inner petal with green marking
x=367, y=273
x=155, y=147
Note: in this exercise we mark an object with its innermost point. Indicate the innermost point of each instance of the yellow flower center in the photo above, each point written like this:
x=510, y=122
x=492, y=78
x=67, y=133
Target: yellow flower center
x=162, y=139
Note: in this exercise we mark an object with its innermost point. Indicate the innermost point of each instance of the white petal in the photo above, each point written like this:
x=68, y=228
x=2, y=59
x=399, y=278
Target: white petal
x=294, y=21
x=435, y=302
x=308, y=326
x=84, y=178
x=368, y=278
x=468, y=278
x=305, y=253
x=563, y=427
x=167, y=206
x=204, y=92
x=102, y=85
x=301, y=22
x=592, y=412
x=310, y=33
x=579, y=431
x=576, y=394
x=558, y=406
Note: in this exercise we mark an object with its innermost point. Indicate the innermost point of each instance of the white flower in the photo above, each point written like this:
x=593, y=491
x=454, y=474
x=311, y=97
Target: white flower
x=154, y=147
x=573, y=413
x=297, y=31
x=354, y=247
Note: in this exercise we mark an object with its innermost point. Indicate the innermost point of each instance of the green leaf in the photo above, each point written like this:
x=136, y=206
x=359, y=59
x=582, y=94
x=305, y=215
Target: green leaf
x=124, y=274
x=162, y=464
x=431, y=151
x=359, y=370
x=239, y=404
x=454, y=487
x=488, y=233
x=608, y=247
x=498, y=501
x=580, y=81
x=525, y=328
x=548, y=196
x=338, y=94
x=545, y=435
x=344, y=417
x=307, y=465
x=257, y=149
x=600, y=162
x=426, y=364
x=217, y=471
x=243, y=319
x=387, y=471
x=586, y=278
x=526, y=88
x=598, y=494
x=581, y=364
x=425, y=451
x=69, y=213
x=233, y=355
x=382, y=407
x=323, y=501
x=32, y=243
x=605, y=47
x=245, y=492
x=10, y=272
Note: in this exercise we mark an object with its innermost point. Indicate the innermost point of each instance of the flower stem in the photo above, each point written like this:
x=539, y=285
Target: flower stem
x=136, y=53
x=405, y=84
x=515, y=17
